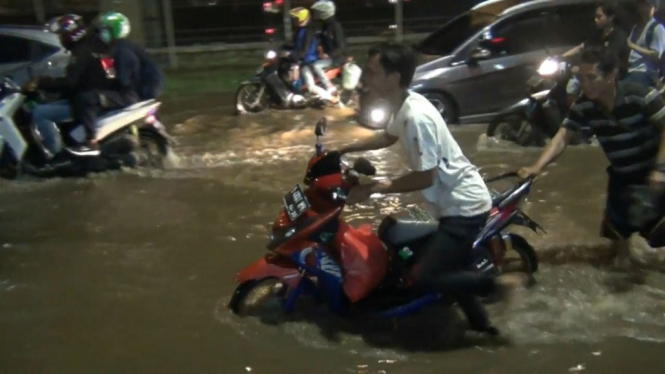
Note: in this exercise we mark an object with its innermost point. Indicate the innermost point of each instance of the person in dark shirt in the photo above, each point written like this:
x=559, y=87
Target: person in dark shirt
x=628, y=119
x=89, y=85
x=138, y=75
x=606, y=36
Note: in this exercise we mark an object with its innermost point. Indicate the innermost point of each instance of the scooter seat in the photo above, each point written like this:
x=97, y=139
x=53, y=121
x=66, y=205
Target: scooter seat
x=398, y=232
x=113, y=112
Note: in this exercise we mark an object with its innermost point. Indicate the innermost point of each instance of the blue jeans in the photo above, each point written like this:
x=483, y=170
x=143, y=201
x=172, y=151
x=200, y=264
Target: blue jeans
x=46, y=117
x=641, y=77
x=318, y=68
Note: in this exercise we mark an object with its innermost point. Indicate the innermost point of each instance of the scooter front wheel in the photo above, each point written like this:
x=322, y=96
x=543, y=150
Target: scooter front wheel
x=252, y=98
x=262, y=298
x=520, y=259
x=347, y=97
x=515, y=127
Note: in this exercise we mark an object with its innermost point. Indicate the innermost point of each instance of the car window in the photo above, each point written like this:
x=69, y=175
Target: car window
x=448, y=38
x=41, y=51
x=14, y=50
x=519, y=34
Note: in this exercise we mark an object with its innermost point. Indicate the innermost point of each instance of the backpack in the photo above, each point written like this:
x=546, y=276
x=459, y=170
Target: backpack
x=152, y=79
x=648, y=39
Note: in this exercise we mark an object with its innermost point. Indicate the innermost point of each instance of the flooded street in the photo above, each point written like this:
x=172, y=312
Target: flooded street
x=131, y=272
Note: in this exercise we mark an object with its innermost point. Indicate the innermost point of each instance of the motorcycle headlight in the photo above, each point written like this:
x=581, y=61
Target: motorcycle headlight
x=378, y=115
x=548, y=68
x=271, y=55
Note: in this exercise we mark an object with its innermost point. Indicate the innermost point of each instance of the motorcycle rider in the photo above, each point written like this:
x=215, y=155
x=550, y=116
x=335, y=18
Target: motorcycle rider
x=607, y=36
x=304, y=52
x=89, y=85
x=646, y=43
x=136, y=71
x=452, y=187
x=333, y=42
x=628, y=120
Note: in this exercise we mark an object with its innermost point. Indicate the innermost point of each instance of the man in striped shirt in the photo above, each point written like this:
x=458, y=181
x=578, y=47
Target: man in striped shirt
x=628, y=119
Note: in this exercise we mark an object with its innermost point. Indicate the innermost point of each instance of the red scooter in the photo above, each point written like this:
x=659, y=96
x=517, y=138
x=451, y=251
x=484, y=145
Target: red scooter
x=314, y=251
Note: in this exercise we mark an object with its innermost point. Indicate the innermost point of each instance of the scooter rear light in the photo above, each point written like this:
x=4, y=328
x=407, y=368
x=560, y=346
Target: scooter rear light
x=150, y=119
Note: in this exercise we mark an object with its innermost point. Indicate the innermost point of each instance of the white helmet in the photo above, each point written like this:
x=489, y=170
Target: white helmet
x=323, y=9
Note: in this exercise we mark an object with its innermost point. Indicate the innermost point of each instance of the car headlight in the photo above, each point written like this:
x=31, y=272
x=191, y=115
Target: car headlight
x=548, y=68
x=271, y=55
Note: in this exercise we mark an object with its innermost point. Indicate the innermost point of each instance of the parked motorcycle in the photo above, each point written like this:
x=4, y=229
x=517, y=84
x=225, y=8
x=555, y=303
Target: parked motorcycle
x=128, y=137
x=256, y=95
x=533, y=120
x=354, y=270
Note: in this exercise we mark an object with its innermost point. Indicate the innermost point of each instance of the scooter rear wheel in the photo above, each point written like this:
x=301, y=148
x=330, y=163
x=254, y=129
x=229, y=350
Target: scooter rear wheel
x=151, y=151
x=347, y=97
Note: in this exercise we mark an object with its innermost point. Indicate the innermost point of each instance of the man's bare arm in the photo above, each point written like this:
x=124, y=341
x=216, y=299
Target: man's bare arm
x=655, y=110
x=573, y=51
x=411, y=182
x=645, y=52
x=378, y=141
x=554, y=149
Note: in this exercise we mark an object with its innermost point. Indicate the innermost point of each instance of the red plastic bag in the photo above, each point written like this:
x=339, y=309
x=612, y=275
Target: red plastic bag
x=364, y=261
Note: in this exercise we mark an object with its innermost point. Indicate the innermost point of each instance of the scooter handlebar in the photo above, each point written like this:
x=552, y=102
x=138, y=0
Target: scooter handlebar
x=510, y=174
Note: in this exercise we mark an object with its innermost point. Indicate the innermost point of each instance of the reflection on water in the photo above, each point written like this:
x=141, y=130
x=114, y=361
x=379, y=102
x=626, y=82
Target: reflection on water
x=132, y=271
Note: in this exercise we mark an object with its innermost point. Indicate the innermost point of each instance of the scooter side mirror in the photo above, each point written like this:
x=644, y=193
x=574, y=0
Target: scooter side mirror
x=321, y=127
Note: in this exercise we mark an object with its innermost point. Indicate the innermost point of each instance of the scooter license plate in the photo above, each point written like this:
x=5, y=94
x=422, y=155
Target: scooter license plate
x=295, y=203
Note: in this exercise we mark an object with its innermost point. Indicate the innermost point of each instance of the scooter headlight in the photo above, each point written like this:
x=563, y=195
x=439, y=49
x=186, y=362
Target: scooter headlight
x=378, y=115
x=548, y=68
x=270, y=55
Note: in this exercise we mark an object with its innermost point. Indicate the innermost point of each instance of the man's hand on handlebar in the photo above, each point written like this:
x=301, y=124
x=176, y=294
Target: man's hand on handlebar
x=528, y=172
x=359, y=193
x=30, y=86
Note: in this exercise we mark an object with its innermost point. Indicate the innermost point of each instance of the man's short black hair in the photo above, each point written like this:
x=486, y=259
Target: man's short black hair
x=652, y=3
x=396, y=58
x=609, y=7
x=604, y=60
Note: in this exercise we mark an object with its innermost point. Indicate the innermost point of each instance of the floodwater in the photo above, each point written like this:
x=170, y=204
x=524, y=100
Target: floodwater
x=131, y=272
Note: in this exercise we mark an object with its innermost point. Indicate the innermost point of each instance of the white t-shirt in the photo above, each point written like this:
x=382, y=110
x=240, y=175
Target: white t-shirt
x=458, y=189
x=637, y=62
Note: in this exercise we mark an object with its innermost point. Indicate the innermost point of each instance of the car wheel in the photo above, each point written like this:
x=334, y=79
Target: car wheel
x=444, y=105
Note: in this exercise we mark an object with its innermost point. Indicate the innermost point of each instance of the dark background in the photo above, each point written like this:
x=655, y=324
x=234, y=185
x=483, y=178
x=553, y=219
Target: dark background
x=237, y=21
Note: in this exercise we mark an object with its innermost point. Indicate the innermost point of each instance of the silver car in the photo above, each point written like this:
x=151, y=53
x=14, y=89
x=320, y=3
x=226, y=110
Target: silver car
x=28, y=50
x=480, y=61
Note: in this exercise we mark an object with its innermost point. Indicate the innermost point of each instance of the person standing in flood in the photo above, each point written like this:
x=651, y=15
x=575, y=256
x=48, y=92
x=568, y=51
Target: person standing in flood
x=628, y=119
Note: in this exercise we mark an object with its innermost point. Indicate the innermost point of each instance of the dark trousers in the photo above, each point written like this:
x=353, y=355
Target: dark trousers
x=278, y=86
x=446, y=266
x=88, y=105
x=641, y=77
